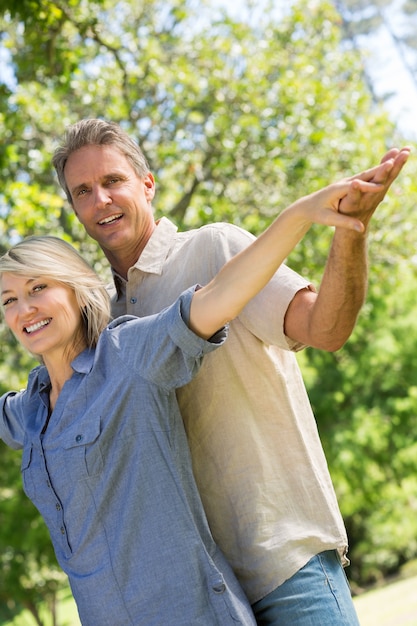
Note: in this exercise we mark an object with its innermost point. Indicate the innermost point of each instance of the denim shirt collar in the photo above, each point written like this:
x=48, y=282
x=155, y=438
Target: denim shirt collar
x=83, y=363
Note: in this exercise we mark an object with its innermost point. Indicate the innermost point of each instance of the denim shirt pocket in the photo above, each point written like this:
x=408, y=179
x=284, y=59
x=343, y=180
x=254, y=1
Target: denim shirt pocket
x=82, y=451
x=27, y=474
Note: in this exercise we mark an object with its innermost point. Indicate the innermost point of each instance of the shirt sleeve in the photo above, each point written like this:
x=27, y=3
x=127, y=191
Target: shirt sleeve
x=11, y=424
x=264, y=315
x=161, y=347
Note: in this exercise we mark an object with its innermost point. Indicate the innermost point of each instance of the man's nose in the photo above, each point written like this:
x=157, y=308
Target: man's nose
x=101, y=197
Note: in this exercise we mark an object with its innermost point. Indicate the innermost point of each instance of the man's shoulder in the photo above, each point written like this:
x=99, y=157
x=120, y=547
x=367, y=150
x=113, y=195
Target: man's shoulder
x=214, y=238
x=217, y=229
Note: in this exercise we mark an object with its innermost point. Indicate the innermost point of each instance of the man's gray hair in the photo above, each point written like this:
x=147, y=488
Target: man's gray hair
x=97, y=132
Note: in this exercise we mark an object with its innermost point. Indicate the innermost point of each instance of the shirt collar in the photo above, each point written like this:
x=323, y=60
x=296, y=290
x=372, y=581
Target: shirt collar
x=83, y=363
x=43, y=377
x=154, y=254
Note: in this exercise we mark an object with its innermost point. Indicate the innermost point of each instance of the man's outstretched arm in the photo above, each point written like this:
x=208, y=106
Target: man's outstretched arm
x=326, y=319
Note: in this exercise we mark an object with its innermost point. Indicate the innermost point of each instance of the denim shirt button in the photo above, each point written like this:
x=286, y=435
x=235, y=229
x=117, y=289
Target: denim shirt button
x=78, y=438
x=219, y=588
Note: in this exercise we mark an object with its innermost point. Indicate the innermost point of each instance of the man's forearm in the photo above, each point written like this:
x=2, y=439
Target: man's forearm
x=342, y=291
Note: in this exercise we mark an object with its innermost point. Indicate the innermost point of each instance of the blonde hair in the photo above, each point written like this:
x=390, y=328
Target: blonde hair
x=97, y=132
x=56, y=259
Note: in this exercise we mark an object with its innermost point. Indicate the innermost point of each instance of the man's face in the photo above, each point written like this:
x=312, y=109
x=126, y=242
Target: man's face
x=112, y=203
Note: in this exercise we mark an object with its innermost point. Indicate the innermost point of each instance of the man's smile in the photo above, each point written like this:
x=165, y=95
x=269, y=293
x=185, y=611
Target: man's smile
x=110, y=219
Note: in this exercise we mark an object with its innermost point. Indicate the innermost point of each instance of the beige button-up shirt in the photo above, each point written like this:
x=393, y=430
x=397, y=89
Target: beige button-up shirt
x=257, y=456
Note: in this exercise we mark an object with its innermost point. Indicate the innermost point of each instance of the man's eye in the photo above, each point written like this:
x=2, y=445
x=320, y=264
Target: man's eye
x=81, y=192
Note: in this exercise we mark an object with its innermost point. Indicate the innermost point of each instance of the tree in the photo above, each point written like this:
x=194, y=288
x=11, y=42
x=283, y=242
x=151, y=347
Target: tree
x=364, y=397
x=362, y=19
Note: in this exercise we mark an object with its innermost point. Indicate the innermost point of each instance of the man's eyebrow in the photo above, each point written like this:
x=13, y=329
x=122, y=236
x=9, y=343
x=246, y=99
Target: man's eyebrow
x=115, y=174
x=79, y=186
x=106, y=177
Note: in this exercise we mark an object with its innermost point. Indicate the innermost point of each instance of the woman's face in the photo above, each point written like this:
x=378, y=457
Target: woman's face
x=43, y=314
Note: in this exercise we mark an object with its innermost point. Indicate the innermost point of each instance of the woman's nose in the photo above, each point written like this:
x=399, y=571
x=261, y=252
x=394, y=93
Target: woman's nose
x=26, y=308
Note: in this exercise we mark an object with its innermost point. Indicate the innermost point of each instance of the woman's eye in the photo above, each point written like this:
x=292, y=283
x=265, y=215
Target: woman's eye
x=38, y=288
x=8, y=301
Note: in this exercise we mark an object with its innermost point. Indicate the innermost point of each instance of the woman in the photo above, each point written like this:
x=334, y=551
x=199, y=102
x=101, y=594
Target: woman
x=105, y=457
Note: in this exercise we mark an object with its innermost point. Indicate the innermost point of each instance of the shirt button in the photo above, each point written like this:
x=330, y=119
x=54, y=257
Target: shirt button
x=62, y=530
x=58, y=506
x=78, y=438
x=219, y=588
x=133, y=300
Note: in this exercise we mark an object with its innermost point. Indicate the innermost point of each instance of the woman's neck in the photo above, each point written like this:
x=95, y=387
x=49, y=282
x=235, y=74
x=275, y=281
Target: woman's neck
x=60, y=370
x=58, y=377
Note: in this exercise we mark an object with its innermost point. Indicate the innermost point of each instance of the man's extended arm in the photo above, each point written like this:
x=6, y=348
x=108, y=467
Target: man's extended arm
x=239, y=280
x=326, y=320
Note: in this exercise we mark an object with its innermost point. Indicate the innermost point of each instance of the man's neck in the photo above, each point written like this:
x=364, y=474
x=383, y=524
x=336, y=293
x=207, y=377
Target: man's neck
x=121, y=260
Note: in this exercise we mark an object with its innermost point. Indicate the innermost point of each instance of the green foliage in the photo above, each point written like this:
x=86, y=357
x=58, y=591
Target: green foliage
x=365, y=400
x=237, y=119
x=228, y=114
x=29, y=575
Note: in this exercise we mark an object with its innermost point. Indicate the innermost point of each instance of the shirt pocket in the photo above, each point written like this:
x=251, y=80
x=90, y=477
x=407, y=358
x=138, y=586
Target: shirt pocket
x=27, y=472
x=82, y=452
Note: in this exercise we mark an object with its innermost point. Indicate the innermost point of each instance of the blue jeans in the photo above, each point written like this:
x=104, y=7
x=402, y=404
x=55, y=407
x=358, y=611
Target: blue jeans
x=317, y=595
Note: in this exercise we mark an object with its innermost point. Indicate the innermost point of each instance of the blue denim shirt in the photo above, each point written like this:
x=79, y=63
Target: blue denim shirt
x=111, y=475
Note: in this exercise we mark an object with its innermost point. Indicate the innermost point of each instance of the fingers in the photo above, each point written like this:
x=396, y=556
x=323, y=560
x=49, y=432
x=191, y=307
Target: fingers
x=388, y=169
x=378, y=173
x=357, y=188
x=391, y=154
x=394, y=152
x=398, y=159
x=339, y=220
x=350, y=224
x=364, y=186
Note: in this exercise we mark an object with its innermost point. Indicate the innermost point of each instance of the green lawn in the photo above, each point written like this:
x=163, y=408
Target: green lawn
x=393, y=605
x=67, y=614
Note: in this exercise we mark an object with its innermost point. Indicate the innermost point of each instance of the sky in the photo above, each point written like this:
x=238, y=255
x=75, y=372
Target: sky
x=389, y=76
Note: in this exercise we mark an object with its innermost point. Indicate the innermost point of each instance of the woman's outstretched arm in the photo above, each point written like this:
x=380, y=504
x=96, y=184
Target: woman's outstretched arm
x=248, y=272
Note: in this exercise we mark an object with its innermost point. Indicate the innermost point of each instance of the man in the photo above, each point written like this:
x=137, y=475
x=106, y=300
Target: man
x=257, y=456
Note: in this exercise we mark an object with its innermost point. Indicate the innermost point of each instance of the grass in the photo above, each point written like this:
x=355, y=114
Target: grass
x=67, y=614
x=391, y=605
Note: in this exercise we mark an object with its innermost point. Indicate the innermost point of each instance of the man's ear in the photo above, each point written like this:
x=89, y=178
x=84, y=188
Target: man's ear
x=149, y=183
